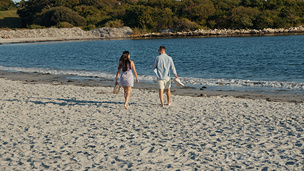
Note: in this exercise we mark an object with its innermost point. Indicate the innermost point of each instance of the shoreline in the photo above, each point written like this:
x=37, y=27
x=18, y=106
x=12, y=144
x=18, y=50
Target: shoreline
x=62, y=34
x=226, y=33
x=43, y=39
x=34, y=78
x=152, y=36
x=77, y=34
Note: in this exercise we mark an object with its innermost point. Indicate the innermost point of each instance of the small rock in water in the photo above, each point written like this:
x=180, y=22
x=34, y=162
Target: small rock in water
x=204, y=87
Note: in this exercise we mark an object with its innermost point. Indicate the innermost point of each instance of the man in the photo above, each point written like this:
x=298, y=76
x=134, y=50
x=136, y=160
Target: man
x=162, y=66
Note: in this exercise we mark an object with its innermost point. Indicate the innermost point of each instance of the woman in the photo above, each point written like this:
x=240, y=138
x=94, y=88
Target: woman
x=126, y=78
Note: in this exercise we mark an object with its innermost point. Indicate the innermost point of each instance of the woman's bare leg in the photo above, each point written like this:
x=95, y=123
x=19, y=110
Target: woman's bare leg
x=127, y=91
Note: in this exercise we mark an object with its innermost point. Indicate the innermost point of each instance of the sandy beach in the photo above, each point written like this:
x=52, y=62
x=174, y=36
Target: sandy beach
x=51, y=124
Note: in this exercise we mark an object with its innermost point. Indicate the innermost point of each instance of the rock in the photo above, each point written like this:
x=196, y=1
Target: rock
x=107, y=32
x=50, y=32
x=166, y=30
x=69, y=33
x=202, y=88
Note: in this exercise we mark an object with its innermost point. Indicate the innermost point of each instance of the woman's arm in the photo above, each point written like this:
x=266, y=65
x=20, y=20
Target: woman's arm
x=134, y=70
x=118, y=72
x=117, y=77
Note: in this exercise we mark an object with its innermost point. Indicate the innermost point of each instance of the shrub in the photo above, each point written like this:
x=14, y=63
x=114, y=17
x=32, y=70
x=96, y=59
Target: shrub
x=64, y=25
x=115, y=23
x=6, y=5
x=244, y=17
x=56, y=15
x=35, y=26
x=90, y=13
x=185, y=25
x=139, y=31
x=89, y=27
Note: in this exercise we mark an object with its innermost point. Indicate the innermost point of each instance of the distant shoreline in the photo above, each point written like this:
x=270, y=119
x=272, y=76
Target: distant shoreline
x=227, y=32
x=77, y=34
x=62, y=34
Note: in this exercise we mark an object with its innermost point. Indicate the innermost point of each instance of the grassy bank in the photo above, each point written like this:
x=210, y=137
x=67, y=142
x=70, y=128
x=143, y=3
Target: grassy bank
x=9, y=19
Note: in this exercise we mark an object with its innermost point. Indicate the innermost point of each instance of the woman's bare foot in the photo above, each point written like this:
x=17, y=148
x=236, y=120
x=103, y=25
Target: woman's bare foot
x=126, y=107
x=169, y=104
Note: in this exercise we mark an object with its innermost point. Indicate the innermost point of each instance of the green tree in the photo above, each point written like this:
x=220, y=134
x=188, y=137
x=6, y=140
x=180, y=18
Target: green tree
x=219, y=20
x=184, y=24
x=274, y=4
x=301, y=11
x=221, y=16
x=90, y=13
x=28, y=9
x=67, y=3
x=139, y=16
x=267, y=19
x=244, y=17
x=290, y=17
x=226, y=5
x=202, y=11
x=252, y=3
x=185, y=14
x=161, y=4
x=6, y=5
x=56, y=15
x=101, y=3
x=164, y=18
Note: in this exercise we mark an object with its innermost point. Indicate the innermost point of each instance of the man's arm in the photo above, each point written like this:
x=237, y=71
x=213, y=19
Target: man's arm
x=173, y=68
x=176, y=76
x=154, y=65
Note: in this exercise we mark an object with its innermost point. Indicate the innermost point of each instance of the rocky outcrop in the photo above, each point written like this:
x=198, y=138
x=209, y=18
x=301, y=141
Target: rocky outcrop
x=112, y=32
x=226, y=32
x=50, y=32
x=67, y=33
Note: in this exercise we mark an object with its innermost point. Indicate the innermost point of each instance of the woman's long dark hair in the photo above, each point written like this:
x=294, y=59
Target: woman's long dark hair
x=124, y=61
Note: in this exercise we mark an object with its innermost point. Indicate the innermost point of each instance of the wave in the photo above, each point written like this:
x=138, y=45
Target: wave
x=245, y=83
x=188, y=81
x=59, y=72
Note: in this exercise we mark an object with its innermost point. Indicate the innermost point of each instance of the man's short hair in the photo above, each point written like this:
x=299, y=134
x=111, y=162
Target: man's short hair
x=162, y=48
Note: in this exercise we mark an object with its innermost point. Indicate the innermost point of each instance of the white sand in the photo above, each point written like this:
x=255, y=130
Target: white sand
x=66, y=127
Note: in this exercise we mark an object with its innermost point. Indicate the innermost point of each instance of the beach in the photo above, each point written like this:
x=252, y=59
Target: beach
x=52, y=123
x=77, y=34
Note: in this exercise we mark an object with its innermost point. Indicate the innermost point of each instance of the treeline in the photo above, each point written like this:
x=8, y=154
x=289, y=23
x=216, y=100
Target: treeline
x=7, y=5
x=153, y=15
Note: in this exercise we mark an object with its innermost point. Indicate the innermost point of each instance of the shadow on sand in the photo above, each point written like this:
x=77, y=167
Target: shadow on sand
x=65, y=102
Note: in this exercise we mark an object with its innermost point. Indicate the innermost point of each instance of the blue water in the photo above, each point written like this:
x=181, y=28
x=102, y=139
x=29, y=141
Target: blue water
x=267, y=62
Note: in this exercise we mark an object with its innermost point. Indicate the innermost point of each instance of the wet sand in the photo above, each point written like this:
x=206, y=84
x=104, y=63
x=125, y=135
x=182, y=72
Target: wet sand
x=187, y=91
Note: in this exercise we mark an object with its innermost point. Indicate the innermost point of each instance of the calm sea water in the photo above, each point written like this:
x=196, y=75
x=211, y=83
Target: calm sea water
x=268, y=63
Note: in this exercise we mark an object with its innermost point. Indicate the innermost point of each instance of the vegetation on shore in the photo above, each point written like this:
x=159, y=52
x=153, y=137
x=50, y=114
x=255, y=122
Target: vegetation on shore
x=10, y=19
x=153, y=15
x=7, y=5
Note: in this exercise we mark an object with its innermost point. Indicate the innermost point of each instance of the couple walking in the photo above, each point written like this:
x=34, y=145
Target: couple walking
x=162, y=66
